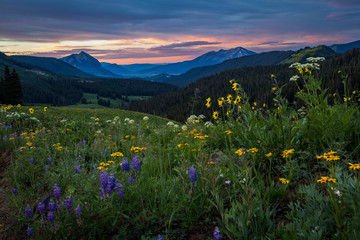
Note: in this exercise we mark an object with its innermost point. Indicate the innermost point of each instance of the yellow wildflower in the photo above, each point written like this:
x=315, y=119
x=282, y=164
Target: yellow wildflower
x=229, y=98
x=19, y=105
x=269, y=154
x=354, y=166
x=117, y=154
x=353, y=92
x=300, y=70
x=215, y=115
x=236, y=87
x=326, y=180
x=287, y=153
x=31, y=110
x=284, y=180
x=45, y=109
x=237, y=100
x=240, y=152
x=220, y=102
x=253, y=150
x=208, y=102
x=228, y=132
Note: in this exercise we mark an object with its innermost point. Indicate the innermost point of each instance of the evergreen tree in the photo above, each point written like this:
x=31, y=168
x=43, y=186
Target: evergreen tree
x=18, y=95
x=2, y=91
x=13, y=93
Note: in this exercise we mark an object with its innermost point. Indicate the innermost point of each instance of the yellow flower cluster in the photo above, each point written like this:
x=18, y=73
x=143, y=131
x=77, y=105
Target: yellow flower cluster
x=326, y=180
x=181, y=145
x=329, y=156
x=31, y=110
x=253, y=150
x=228, y=132
x=287, y=153
x=58, y=147
x=284, y=180
x=103, y=165
x=202, y=137
x=235, y=86
x=137, y=149
x=240, y=152
x=117, y=154
x=354, y=166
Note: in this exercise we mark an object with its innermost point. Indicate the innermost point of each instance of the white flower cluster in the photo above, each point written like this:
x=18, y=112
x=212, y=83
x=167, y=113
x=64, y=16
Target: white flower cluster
x=294, y=78
x=305, y=65
x=146, y=118
x=13, y=115
x=208, y=124
x=172, y=125
x=315, y=59
x=128, y=121
x=195, y=119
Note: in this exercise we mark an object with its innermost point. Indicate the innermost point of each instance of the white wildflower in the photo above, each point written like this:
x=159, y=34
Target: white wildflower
x=294, y=78
x=145, y=118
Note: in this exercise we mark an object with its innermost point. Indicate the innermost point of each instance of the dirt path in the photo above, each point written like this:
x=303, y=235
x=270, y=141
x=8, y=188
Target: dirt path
x=5, y=159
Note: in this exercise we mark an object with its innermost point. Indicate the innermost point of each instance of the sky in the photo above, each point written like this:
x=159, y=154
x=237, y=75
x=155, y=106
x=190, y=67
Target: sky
x=164, y=31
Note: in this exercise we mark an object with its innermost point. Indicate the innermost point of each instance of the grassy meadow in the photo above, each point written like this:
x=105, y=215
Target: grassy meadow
x=249, y=171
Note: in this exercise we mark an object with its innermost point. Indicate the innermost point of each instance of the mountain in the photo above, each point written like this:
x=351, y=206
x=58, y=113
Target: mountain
x=207, y=59
x=137, y=67
x=266, y=58
x=88, y=64
x=41, y=85
x=114, y=68
x=52, y=64
x=341, y=48
x=302, y=54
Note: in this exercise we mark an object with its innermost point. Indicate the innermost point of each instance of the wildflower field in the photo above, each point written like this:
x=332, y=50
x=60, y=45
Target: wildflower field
x=249, y=171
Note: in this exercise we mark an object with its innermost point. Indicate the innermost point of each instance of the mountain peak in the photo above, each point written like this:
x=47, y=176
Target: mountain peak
x=87, y=63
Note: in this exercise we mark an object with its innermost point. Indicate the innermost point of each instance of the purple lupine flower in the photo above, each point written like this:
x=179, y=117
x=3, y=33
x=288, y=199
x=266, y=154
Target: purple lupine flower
x=28, y=212
x=51, y=217
x=160, y=237
x=41, y=208
x=77, y=211
x=57, y=192
x=14, y=191
x=58, y=206
x=68, y=202
x=80, y=157
x=125, y=166
x=136, y=163
x=29, y=231
x=120, y=189
x=216, y=234
x=192, y=174
x=102, y=192
x=77, y=168
x=111, y=183
x=104, y=178
x=131, y=180
x=32, y=160
x=102, y=154
x=49, y=160
x=83, y=142
x=51, y=205
x=94, y=140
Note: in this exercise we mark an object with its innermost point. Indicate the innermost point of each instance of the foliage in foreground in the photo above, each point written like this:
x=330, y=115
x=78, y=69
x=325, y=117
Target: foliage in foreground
x=254, y=172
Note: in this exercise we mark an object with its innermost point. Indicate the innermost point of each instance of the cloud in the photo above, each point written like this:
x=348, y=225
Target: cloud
x=179, y=26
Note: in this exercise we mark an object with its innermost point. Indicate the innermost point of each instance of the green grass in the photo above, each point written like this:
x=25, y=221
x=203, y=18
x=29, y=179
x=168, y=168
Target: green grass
x=257, y=170
x=114, y=103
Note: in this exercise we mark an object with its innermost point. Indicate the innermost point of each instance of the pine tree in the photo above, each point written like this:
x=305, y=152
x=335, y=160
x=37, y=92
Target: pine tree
x=13, y=93
x=2, y=91
x=18, y=93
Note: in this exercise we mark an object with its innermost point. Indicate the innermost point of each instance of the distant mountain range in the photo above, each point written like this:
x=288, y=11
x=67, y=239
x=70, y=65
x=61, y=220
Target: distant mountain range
x=206, y=59
x=88, y=64
x=341, y=48
x=52, y=64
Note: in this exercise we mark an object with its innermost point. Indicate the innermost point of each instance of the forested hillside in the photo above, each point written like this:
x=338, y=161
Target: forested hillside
x=256, y=82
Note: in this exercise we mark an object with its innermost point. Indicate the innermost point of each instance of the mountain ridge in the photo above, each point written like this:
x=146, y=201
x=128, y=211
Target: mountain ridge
x=87, y=63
